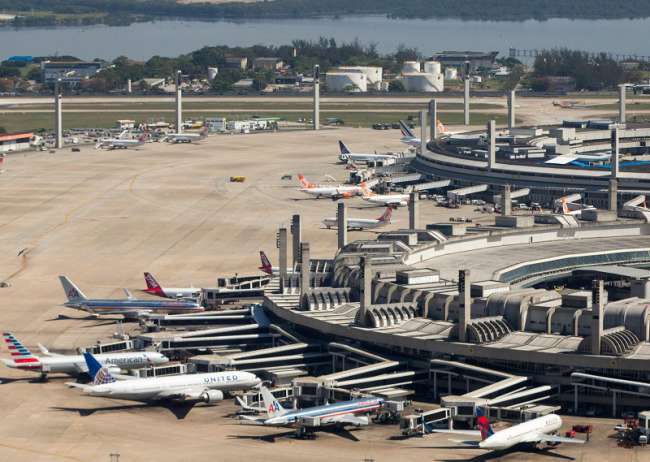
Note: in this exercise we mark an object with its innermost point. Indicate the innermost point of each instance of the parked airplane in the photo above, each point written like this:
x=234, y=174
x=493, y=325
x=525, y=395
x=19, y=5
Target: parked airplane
x=346, y=155
x=408, y=137
x=342, y=413
x=74, y=364
x=208, y=387
x=331, y=192
x=130, y=308
x=567, y=205
x=389, y=200
x=362, y=223
x=120, y=142
x=565, y=159
x=168, y=292
x=539, y=430
x=186, y=137
x=268, y=268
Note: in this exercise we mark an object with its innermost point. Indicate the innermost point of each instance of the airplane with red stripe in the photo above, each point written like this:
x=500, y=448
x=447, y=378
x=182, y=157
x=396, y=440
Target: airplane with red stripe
x=169, y=292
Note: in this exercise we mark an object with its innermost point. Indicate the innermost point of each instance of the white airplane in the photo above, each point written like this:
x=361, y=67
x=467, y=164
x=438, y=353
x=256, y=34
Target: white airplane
x=268, y=268
x=208, y=387
x=566, y=205
x=330, y=192
x=539, y=430
x=346, y=155
x=186, y=137
x=362, y=223
x=74, y=365
x=168, y=292
x=408, y=137
x=120, y=142
x=389, y=200
x=565, y=159
x=341, y=413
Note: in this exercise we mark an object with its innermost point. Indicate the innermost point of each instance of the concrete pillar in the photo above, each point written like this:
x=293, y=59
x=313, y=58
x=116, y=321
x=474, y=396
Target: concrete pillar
x=129, y=89
x=492, y=143
x=316, y=97
x=433, y=119
x=342, y=225
x=597, y=314
x=613, y=195
x=506, y=201
x=466, y=100
x=464, y=311
x=58, y=116
x=366, y=287
x=614, y=161
x=423, y=131
x=179, y=103
x=621, y=103
x=305, y=268
x=414, y=211
x=296, y=238
x=282, y=247
x=511, y=110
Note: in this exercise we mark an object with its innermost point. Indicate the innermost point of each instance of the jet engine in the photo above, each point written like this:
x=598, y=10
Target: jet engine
x=211, y=396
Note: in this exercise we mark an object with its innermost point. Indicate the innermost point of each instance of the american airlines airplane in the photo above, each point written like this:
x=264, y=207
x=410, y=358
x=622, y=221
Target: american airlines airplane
x=74, y=365
x=342, y=413
x=362, y=223
x=168, y=292
x=535, y=431
x=131, y=308
x=389, y=200
x=348, y=156
x=186, y=137
x=209, y=388
x=331, y=192
x=120, y=142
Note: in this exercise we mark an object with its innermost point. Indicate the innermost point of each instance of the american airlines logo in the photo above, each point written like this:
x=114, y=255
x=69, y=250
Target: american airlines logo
x=72, y=293
x=274, y=407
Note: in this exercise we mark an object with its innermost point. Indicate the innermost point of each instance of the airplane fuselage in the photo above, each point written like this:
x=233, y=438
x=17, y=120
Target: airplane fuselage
x=134, y=307
x=522, y=433
x=355, y=223
x=356, y=406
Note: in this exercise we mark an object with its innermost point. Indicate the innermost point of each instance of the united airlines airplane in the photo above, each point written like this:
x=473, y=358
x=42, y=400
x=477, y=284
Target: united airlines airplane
x=129, y=308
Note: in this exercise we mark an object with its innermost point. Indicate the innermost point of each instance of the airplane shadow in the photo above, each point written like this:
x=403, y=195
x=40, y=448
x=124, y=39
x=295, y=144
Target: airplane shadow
x=180, y=410
x=6, y=380
x=342, y=432
x=492, y=455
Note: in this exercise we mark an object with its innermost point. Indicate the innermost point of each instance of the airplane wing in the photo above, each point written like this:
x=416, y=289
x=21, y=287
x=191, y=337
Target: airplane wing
x=561, y=160
x=349, y=419
x=128, y=294
x=554, y=439
x=468, y=443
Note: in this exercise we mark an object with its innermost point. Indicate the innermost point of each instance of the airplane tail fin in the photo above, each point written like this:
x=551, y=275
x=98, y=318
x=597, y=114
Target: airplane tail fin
x=303, y=181
x=142, y=138
x=266, y=263
x=273, y=407
x=365, y=191
x=152, y=285
x=343, y=148
x=483, y=424
x=20, y=354
x=406, y=131
x=385, y=217
x=441, y=127
x=71, y=290
x=97, y=372
x=204, y=132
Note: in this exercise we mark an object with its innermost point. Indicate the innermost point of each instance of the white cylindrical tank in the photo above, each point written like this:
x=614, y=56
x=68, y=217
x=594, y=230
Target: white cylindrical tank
x=212, y=73
x=432, y=67
x=374, y=75
x=350, y=81
x=423, y=82
x=408, y=67
x=451, y=73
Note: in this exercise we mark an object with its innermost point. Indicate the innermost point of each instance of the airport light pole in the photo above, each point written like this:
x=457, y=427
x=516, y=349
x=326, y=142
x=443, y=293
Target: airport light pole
x=179, y=103
x=342, y=225
x=466, y=93
x=316, y=116
x=282, y=247
x=621, y=103
x=58, y=115
x=423, y=131
x=511, y=109
x=296, y=238
x=433, y=119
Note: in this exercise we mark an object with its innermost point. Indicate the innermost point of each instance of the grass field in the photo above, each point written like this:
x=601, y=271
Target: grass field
x=18, y=121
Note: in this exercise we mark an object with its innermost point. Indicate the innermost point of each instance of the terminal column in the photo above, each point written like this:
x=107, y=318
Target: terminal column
x=492, y=143
x=179, y=103
x=614, y=160
x=296, y=237
x=466, y=93
x=414, y=210
x=506, y=205
x=621, y=103
x=58, y=116
x=423, y=132
x=597, y=314
x=316, y=97
x=613, y=195
x=365, y=288
x=433, y=119
x=465, y=305
x=342, y=224
x=305, y=268
x=511, y=110
x=282, y=246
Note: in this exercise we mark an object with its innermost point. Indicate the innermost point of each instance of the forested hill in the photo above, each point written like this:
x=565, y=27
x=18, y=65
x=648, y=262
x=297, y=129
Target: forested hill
x=463, y=9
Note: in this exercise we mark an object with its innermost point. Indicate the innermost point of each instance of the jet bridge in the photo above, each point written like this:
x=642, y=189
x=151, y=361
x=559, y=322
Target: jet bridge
x=456, y=194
